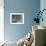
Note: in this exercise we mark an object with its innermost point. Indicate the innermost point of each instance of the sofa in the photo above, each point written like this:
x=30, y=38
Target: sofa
x=39, y=37
x=39, y=33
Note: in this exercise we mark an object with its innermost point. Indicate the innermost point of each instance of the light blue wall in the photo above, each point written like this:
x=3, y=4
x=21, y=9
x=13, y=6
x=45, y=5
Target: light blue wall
x=43, y=6
x=28, y=7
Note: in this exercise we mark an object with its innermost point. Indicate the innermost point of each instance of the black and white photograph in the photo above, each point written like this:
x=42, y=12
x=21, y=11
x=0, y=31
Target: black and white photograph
x=16, y=18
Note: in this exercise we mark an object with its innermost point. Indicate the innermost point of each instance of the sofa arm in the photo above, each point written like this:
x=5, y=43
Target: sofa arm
x=39, y=37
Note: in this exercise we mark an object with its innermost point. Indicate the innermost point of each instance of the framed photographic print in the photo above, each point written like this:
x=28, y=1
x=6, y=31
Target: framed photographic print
x=16, y=18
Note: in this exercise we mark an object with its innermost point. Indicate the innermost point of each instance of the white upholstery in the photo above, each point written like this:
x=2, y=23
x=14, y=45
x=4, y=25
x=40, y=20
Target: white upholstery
x=26, y=41
x=20, y=42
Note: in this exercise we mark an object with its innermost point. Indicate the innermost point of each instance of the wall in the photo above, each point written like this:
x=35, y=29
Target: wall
x=29, y=8
x=43, y=6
